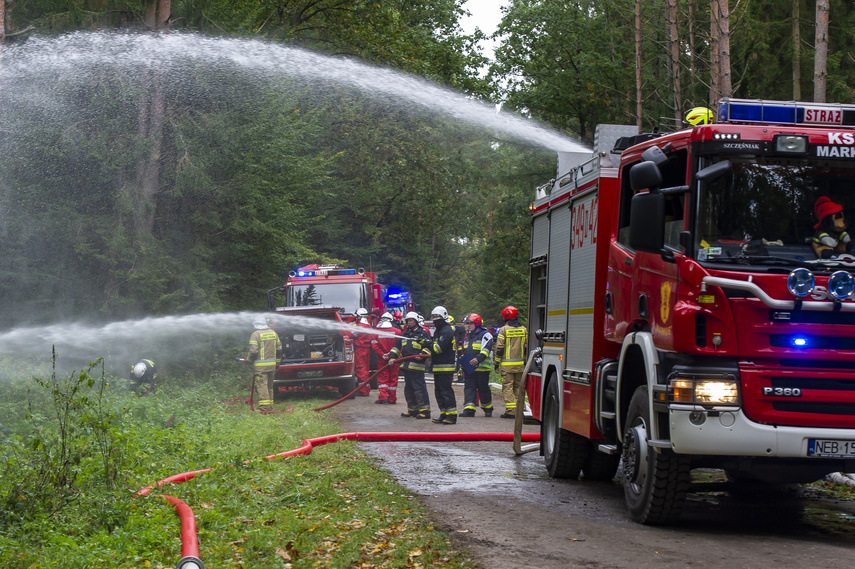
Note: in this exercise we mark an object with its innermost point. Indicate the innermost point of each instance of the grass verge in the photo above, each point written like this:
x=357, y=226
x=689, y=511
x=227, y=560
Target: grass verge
x=331, y=508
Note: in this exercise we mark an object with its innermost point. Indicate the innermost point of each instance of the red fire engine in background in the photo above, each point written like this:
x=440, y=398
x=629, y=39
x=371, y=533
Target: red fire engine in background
x=683, y=317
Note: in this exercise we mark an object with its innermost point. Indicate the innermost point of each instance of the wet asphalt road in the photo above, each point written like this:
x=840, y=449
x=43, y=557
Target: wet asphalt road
x=509, y=514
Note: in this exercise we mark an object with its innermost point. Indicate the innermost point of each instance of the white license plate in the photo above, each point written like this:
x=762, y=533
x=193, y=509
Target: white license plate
x=310, y=373
x=831, y=447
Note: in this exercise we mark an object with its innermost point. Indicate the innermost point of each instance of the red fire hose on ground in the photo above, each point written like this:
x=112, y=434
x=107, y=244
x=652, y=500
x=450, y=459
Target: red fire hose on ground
x=189, y=540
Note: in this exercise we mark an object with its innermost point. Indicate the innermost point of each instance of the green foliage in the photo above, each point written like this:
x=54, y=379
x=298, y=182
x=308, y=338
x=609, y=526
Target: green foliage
x=332, y=508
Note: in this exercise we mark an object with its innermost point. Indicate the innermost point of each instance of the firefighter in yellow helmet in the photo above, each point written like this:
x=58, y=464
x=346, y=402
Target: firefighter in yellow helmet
x=699, y=116
x=264, y=344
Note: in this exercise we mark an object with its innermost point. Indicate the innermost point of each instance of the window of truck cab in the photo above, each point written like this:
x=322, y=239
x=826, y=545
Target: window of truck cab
x=674, y=173
x=761, y=209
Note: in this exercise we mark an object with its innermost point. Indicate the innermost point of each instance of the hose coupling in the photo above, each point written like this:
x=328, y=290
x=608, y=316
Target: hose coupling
x=190, y=562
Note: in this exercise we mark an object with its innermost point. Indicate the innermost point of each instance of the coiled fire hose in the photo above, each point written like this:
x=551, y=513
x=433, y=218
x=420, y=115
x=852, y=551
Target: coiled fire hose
x=189, y=539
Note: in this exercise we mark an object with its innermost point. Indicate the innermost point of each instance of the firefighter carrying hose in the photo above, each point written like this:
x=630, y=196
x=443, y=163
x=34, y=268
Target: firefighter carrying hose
x=443, y=366
x=510, y=352
x=414, y=341
x=387, y=377
x=362, y=350
x=264, y=344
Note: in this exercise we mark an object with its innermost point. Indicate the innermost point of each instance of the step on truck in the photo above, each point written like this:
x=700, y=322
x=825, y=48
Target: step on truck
x=692, y=294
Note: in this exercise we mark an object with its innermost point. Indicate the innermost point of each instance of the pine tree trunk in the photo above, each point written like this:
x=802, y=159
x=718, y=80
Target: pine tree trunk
x=639, y=108
x=715, y=53
x=724, y=49
x=820, y=65
x=797, y=52
x=675, y=61
x=693, y=66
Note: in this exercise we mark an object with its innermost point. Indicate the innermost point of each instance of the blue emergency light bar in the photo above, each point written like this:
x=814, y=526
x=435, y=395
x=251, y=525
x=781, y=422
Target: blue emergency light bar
x=785, y=112
x=326, y=273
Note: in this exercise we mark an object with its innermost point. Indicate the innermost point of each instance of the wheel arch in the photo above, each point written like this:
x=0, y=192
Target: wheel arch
x=637, y=366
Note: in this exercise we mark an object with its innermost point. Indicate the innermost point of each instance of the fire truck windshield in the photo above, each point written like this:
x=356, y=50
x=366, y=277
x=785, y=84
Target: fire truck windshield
x=348, y=296
x=762, y=209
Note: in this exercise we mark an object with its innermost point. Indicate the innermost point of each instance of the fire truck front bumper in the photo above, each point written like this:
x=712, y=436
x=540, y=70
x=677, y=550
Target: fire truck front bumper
x=727, y=431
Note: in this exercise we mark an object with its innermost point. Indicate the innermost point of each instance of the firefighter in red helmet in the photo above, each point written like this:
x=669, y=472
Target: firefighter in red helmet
x=511, y=347
x=475, y=363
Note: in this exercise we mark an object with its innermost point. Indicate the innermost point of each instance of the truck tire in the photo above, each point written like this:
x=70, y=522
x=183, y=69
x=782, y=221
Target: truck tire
x=655, y=483
x=564, y=453
x=346, y=386
x=600, y=466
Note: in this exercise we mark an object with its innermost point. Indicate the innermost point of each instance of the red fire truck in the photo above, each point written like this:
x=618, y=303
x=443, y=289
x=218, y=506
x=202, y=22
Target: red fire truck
x=331, y=286
x=683, y=317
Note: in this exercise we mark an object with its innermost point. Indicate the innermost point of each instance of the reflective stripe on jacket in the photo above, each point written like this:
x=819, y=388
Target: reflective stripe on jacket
x=478, y=344
x=444, y=348
x=511, y=344
x=413, y=341
x=263, y=345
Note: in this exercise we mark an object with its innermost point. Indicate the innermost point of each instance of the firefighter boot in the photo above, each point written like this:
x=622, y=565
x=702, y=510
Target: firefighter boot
x=410, y=413
x=423, y=414
x=468, y=413
x=439, y=419
x=488, y=412
x=449, y=419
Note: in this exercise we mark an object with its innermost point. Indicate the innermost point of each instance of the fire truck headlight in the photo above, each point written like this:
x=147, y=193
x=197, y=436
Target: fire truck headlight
x=841, y=285
x=801, y=282
x=791, y=144
x=724, y=391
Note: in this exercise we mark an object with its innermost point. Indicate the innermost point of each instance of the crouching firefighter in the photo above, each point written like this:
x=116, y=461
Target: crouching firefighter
x=143, y=375
x=414, y=341
x=264, y=344
x=443, y=366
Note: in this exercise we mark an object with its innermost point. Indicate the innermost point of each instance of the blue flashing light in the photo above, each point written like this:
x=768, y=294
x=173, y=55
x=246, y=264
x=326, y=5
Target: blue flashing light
x=785, y=112
x=799, y=342
x=305, y=273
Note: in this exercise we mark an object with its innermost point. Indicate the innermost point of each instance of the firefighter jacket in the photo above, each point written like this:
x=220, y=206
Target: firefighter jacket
x=362, y=335
x=511, y=346
x=263, y=345
x=383, y=344
x=413, y=341
x=443, y=348
x=478, y=344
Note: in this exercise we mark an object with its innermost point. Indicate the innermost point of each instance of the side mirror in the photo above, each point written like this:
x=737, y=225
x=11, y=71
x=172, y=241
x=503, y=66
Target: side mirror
x=645, y=175
x=647, y=222
x=713, y=172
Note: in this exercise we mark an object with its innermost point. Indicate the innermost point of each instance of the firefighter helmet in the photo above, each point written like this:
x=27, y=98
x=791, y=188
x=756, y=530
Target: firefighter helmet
x=509, y=312
x=699, y=115
x=386, y=316
x=361, y=312
x=439, y=313
x=450, y=319
x=398, y=315
x=472, y=319
x=259, y=323
x=412, y=315
x=140, y=369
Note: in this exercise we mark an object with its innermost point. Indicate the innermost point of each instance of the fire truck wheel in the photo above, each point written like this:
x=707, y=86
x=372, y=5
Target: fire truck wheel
x=564, y=453
x=654, y=483
x=346, y=386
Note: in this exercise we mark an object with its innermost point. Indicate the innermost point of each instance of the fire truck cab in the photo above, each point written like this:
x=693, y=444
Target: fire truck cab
x=683, y=315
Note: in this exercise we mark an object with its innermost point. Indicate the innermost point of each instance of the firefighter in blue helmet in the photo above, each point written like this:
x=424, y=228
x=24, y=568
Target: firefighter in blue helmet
x=476, y=362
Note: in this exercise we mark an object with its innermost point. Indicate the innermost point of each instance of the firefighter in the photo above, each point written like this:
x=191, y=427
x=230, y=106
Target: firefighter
x=510, y=351
x=459, y=340
x=699, y=116
x=362, y=351
x=475, y=363
x=398, y=320
x=264, y=344
x=387, y=377
x=443, y=366
x=143, y=374
x=414, y=341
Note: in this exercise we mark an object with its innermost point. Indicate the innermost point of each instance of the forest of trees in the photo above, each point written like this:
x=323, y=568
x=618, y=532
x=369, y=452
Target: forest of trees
x=147, y=187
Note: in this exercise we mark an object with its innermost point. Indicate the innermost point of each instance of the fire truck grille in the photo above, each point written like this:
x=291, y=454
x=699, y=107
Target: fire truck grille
x=815, y=408
x=834, y=388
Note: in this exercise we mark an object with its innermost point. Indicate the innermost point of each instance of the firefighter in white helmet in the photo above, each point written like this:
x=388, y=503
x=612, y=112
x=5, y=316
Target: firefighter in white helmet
x=387, y=375
x=143, y=374
x=444, y=348
x=264, y=344
x=414, y=341
x=362, y=351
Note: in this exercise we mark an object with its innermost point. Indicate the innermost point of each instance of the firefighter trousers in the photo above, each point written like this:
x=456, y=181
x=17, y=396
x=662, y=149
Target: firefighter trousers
x=264, y=387
x=444, y=393
x=476, y=385
x=415, y=391
x=362, y=363
x=510, y=385
x=387, y=383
